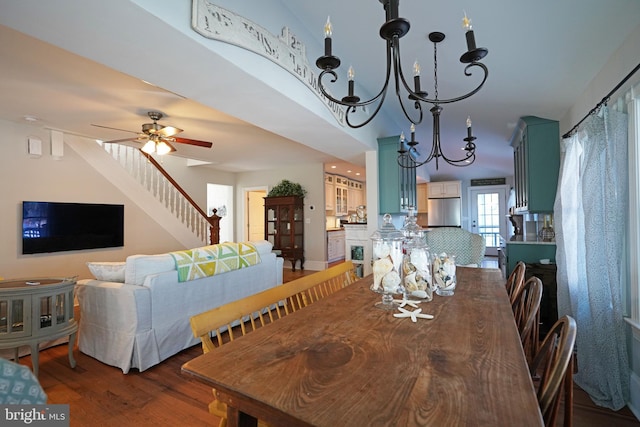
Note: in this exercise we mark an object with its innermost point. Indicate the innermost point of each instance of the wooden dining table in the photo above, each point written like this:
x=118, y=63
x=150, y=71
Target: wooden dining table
x=343, y=362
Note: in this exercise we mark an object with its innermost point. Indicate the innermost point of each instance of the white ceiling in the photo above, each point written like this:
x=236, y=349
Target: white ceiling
x=72, y=64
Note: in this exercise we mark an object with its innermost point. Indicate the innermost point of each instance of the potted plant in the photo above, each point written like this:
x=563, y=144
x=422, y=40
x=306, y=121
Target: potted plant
x=287, y=188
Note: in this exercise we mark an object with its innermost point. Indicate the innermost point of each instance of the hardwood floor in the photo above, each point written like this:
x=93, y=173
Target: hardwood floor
x=101, y=395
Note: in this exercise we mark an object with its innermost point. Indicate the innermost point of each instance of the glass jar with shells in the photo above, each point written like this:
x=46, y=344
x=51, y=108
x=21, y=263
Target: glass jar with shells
x=387, y=258
x=416, y=264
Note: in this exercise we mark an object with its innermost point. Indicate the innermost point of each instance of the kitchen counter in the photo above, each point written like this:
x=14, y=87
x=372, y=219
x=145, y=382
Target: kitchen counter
x=335, y=229
x=529, y=242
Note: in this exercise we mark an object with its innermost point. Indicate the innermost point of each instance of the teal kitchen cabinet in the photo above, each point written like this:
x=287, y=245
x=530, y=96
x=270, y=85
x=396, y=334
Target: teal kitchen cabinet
x=396, y=185
x=536, y=154
x=529, y=253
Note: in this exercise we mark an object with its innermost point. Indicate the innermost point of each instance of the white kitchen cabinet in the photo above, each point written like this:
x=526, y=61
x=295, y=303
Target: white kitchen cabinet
x=341, y=196
x=356, y=195
x=329, y=192
x=444, y=189
x=335, y=245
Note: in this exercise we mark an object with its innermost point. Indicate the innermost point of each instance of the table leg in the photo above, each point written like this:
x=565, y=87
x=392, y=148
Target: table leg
x=35, y=356
x=72, y=343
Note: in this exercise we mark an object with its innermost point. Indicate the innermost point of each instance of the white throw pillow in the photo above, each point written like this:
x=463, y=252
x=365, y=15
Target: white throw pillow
x=108, y=271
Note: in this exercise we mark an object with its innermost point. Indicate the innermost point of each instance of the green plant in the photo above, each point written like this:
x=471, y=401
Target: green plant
x=287, y=188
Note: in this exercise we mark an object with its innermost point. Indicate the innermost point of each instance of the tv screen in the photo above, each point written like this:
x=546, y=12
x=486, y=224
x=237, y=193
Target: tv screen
x=56, y=227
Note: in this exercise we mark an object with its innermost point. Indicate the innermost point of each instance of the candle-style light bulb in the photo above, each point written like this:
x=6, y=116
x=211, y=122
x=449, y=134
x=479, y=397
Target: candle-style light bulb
x=468, y=121
x=328, y=30
x=351, y=75
x=469, y=127
x=416, y=77
x=466, y=22
x=471, y=39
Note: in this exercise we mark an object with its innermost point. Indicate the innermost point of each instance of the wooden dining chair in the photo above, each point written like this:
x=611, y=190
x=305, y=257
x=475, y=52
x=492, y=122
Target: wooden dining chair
x=236, y=319
x=552, y=371
x=526, y=311
x=515, y=280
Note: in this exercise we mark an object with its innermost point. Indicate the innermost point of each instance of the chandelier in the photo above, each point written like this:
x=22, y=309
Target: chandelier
x=392, y=31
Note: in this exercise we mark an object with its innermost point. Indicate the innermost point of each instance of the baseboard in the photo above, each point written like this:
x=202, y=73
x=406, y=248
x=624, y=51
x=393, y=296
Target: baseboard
x=634, y=394
x=308, y=265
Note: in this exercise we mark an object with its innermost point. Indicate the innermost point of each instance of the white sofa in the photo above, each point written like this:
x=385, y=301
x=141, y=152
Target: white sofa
x=143, y=321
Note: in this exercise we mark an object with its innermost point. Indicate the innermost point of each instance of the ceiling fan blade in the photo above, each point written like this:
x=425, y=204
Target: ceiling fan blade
x=168, y=131
x=107, y=127
x=115, y=141
x=188, y=141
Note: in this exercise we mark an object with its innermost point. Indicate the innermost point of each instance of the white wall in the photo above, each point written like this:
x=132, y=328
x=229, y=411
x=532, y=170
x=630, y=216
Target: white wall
x=311, y=177
x=69, y=179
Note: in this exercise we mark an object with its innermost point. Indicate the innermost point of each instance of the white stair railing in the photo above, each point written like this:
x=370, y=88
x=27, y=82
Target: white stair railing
x=150, y=175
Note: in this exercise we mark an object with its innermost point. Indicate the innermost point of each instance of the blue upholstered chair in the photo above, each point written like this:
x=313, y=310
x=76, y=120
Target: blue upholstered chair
x=18, y=385
x=468, y=247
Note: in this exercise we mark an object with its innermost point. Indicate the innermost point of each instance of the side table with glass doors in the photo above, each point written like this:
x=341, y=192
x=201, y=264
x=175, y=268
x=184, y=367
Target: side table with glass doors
x=33, y=311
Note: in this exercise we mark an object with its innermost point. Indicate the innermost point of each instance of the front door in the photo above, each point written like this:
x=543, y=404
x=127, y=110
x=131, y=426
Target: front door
x=488, y=215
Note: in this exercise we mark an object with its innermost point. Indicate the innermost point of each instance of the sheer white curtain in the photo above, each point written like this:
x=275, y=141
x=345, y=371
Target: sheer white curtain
x=591, y=221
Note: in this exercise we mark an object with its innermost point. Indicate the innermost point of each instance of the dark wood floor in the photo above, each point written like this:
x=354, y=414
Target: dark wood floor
x=100, y=395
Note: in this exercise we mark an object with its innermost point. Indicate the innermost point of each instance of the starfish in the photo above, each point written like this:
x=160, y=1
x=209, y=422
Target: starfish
x=412, y=314
x=404, y=302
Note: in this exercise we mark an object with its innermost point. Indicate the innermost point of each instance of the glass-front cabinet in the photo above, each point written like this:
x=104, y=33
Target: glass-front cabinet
x=284, y=227
x=37, y=310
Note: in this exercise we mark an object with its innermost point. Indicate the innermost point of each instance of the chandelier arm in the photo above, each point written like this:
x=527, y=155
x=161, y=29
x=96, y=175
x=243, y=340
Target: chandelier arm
x=394, y=46
x=459, y=98
x=381, y=95
x=407, y=159
x=352, y=109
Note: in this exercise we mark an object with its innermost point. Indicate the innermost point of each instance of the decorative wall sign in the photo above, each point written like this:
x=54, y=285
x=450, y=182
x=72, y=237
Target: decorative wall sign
x=285, y=50
x=488, y=181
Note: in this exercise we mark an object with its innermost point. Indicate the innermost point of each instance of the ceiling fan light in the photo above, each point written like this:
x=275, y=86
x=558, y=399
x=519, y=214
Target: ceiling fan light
x=149, y=147
x=162, y=148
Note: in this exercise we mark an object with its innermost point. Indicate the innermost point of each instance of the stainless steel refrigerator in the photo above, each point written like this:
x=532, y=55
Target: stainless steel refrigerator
x=445, y=212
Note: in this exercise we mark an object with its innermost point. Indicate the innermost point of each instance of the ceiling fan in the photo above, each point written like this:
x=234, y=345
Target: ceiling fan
x=157, y=138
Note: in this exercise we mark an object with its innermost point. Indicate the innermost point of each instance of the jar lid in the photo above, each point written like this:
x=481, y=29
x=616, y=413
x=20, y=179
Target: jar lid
x=387, y=231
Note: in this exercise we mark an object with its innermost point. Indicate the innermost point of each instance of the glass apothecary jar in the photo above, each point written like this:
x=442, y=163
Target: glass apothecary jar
x=444, y=273
x=387, y=258
x=416, y=263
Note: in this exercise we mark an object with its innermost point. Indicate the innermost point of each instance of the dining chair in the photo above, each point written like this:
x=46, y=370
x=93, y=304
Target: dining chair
x=552, y=371
x=236, y=319
x=515, y=281
x=526, y=311
x=18, y=385
x=469, y=248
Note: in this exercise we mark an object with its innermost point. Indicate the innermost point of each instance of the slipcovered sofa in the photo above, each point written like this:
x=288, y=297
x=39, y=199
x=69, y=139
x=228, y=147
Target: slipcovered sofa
x=140, y=316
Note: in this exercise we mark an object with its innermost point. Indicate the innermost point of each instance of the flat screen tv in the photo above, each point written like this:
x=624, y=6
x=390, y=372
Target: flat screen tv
x=56, y=226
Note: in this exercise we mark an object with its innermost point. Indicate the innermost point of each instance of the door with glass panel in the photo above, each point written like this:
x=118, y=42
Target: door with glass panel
x=488, y=215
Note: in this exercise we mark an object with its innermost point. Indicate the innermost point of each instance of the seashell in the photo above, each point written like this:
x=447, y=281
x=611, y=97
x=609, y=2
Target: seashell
x=420, y=259
x=419, y=294
x=380, y=268
x=410, y=282
x=390, y=282
x=381, y=250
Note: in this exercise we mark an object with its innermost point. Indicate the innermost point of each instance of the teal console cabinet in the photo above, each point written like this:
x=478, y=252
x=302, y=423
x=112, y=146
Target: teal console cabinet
x=396, y=185
x=536, y=154
x=529, y=252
